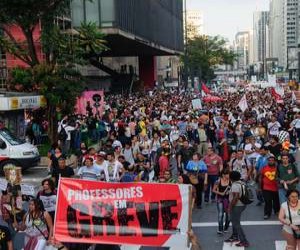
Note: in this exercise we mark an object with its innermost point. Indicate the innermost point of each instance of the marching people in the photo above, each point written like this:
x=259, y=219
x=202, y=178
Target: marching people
x=290, y=218
x=62, y=171
x=197, y=173
x=235, y=209
x=48, y=196
x=287, y=176
x=222, y=188
x=146, y=140
x=269, y=187
x=214, y=165
x=38, y=226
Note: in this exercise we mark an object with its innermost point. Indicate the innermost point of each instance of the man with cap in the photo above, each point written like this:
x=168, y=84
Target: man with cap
x=269, y=187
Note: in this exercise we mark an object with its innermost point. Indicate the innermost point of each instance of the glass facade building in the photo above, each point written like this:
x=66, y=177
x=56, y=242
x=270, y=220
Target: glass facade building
x=151, y=22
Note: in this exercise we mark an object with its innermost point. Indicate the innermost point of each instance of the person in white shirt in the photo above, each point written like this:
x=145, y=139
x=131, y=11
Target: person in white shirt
x=102, y=165
x=65, y=145
x=273, y=126
x=296, y=125
x=114, y=167
x=128, y=153
x=89, y=171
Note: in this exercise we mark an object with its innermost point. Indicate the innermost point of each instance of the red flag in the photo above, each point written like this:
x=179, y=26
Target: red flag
x=275, y=95
x=205, y=89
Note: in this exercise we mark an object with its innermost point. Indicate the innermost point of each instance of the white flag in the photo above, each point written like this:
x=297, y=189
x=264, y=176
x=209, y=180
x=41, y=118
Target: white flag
x=203, y=93
x=243, y=105
x=294, y=99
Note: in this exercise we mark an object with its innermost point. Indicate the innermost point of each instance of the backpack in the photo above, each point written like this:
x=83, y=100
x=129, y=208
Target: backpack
x=247, y=196
x=62, y=135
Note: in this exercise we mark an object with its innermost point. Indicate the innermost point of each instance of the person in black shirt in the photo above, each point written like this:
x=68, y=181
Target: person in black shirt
x=5, y=238
x=274, y=147
x=62, y=171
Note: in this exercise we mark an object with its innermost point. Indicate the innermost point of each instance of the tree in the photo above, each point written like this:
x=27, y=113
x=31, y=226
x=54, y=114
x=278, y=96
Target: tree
x=55, y=75
x=204, y=53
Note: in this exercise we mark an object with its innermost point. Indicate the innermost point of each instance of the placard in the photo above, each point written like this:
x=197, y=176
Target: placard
x=197, y=104
x=27, y=189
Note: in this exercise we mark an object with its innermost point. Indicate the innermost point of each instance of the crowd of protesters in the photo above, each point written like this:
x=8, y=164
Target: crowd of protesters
x=159, y=137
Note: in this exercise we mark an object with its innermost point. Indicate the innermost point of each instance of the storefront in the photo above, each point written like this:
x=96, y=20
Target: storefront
x=13, y=109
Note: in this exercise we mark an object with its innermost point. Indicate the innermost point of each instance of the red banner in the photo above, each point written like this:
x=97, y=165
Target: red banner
x=122, y=213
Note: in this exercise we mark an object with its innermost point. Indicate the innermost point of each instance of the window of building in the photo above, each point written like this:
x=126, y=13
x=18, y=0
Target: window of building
x=77, y=12
x=107, y=12
x=92, y=11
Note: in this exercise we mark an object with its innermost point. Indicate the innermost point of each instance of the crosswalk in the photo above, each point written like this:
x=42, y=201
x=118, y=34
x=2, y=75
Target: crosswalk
x=279, y=245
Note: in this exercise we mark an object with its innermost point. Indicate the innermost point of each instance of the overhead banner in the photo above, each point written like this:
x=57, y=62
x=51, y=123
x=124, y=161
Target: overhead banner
x=145, y=214
x=90, y=103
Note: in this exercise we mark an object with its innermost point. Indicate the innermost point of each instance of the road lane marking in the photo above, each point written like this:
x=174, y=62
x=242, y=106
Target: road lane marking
x=229, y=246
x=244, y=223
x=280, y=244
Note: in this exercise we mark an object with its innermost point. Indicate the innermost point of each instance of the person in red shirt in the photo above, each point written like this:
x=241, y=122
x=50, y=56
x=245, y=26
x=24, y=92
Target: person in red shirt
x=163, y=162
x=268, y=185
x=214, y=165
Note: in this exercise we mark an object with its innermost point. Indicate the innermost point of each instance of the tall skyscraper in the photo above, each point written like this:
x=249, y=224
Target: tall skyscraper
x=260, y=38
x=260, y=22
x=276, y=31
x=241, y=47
x=291, y=25
x=195, y=23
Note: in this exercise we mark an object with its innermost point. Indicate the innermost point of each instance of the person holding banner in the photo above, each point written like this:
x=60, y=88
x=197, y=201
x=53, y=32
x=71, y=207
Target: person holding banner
x=114, y=167
x=89, y=171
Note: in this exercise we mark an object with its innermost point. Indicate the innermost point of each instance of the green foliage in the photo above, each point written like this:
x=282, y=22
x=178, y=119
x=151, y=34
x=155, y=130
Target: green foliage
x=206, y=52
x=21, y=76
x=91, y=39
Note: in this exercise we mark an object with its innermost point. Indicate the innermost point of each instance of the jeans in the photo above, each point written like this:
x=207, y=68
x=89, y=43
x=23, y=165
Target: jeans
x=237, y=230
x=271, y=201
x=221, y=213
x=282, y=195
x=211, y=180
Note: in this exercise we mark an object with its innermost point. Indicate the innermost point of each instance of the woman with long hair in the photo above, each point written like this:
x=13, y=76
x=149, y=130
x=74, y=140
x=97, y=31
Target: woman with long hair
x=221, y=189
x=290, y=218
x=37, y=225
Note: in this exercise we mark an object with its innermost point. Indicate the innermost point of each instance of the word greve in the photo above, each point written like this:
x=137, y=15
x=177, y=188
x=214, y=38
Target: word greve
x=111, y=193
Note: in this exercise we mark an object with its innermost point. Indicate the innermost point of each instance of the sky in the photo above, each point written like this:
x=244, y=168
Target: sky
x=227, y=17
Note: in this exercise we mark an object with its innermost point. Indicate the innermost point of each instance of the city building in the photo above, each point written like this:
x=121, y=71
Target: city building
x=241, y=48
x=137, y=32
x=291, y=34
x=195, y=23
x=276, y=31
x=260, y=38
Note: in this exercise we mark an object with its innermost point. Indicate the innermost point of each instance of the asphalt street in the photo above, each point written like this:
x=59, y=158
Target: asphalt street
x=262, y=234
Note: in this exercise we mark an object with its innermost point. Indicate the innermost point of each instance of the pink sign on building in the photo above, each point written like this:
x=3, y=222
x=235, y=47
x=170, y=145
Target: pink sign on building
x=91, y=103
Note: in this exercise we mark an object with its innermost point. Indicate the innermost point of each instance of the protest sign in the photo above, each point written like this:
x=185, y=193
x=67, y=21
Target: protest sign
x=148, y=214
x=197, y=104
x=3, y=184
x=27, y=189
